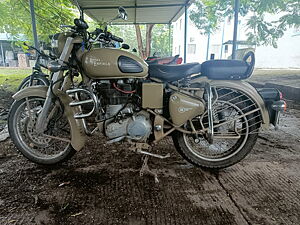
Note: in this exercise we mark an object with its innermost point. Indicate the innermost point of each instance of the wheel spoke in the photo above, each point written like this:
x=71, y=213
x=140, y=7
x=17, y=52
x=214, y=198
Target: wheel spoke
x=48, y=145
x=227, y=119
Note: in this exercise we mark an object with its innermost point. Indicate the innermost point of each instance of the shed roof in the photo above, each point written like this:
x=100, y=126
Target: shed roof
x=139, y=11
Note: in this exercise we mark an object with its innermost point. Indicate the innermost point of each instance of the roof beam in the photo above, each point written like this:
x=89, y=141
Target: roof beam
x=135, y=11
x=136, y=6
x=135, y=23
x=182, y=5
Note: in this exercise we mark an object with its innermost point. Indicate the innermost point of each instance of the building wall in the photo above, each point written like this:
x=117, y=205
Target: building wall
x=287, y=55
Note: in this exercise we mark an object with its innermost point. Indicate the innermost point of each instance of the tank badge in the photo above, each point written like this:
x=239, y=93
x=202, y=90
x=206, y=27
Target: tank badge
x=98, y=62
x=183, y=109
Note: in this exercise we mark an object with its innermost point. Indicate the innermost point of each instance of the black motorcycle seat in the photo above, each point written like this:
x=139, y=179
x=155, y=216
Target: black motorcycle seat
x=169, y=73
x=225, y=69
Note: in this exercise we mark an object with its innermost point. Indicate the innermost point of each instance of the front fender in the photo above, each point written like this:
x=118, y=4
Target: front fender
x=36, y=91
x=245, y=88
x=77, y=131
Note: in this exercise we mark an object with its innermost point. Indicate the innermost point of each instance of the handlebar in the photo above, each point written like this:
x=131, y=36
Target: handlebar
x=40, y=52
x=115, y=38
x=106, y=35
x=67, y=26
x=97, y=31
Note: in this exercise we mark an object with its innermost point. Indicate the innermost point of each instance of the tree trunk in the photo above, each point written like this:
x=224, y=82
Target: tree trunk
x=139, y=40
x=148, y=39
x=144, y=51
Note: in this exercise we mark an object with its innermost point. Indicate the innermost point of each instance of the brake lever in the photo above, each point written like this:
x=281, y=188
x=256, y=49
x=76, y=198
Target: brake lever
x=66, y=26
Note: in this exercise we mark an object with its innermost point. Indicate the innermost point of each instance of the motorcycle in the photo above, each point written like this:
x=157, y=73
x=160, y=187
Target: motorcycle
x=211, y=113
x=165, y=60
x=38, y=77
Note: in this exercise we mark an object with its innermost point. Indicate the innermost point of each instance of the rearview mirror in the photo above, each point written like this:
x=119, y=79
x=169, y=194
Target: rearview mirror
x=125, y=46
x=122, y=13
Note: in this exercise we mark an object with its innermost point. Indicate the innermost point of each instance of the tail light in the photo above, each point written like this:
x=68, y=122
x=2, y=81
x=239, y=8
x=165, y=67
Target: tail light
x=279, y=106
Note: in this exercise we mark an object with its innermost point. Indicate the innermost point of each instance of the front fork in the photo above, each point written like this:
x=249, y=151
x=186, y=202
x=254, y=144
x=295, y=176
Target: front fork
x=55, y=85
x=41, y=123
x=42, y=120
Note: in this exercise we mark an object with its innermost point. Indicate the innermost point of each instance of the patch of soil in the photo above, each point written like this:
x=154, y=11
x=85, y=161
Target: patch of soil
x=5, y=103
x=101, y=185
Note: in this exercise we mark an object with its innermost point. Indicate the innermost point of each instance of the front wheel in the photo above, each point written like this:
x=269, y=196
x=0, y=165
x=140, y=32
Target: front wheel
x=52, y=146
x=235, y=132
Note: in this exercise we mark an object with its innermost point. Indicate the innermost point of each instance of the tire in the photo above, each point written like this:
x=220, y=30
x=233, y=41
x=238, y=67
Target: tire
x=40, y=80
x=27, y=151
x=235, y=154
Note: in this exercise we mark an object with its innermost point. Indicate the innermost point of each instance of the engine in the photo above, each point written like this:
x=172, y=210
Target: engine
x=123, y=116
x=136, y=127
x=117, y=104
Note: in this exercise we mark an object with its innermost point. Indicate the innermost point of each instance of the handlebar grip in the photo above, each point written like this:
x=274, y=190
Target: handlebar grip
x=97, y=31
x=115, y=38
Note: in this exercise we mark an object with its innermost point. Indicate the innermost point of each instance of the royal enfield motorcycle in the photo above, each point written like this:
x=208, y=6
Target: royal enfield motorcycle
x=211, y=113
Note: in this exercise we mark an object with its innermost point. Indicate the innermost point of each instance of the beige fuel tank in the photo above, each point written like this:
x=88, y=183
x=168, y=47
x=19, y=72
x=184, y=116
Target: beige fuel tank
x=111, y=63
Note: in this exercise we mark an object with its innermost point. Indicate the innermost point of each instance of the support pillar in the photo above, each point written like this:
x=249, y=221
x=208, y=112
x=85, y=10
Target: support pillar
x=33, y=22
x=170, y=50
x=207, y=47
x=236, y=22
x=185, y=32
x=2, y=54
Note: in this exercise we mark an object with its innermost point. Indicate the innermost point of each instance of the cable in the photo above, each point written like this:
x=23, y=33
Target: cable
x=123, y=91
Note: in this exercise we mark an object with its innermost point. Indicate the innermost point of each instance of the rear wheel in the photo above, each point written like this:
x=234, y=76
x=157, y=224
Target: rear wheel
x=51, y=147
x=235, y=133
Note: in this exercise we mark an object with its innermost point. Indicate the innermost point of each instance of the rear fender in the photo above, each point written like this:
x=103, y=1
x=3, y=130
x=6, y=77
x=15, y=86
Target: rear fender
x=77, y=130
x=245, y=88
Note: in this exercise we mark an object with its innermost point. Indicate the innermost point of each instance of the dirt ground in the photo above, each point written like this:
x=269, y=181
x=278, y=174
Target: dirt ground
x=101, y=185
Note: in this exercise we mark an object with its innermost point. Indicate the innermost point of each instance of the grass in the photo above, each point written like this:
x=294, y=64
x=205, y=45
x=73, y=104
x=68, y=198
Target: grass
x=10, y=79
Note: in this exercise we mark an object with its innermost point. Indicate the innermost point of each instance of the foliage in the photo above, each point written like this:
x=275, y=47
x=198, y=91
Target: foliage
x=50, y=14
x=161, y=42
x=160, y=36
x=15, y=17
x=208, y=14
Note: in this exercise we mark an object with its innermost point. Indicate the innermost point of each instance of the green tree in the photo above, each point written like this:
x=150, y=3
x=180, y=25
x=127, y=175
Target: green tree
x=159, y=37
x=50, y=14
x=207, y=15
x=162, y=42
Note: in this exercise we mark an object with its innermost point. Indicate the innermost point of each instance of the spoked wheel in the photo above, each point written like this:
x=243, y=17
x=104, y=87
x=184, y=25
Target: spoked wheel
x=52, y=146
x=235, y=133
x=37, y=80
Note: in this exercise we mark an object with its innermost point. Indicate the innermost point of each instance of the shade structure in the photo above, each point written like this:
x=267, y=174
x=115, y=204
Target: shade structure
x=139, y=11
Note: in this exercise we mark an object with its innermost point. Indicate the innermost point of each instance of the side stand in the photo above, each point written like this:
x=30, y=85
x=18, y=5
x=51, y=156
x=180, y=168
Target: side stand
x=146, y=170
x=137, y=147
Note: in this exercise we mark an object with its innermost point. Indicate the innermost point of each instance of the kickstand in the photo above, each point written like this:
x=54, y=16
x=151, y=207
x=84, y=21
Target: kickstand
x=145, y=169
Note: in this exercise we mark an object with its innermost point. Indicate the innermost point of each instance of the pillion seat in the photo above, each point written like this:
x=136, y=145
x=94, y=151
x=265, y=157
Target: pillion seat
x=229, y=69
x=169, y=73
